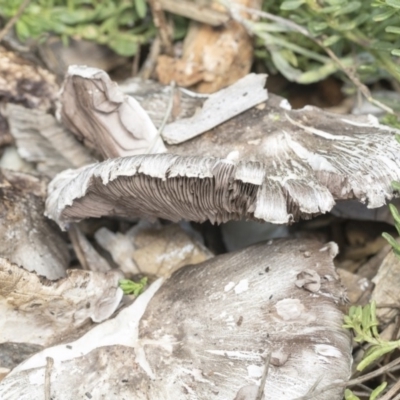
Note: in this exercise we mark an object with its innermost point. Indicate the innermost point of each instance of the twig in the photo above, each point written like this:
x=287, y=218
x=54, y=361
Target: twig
x=361, y=87
x=14, y=19
x=261, y=388
x=47, y=378
x=161, y=24
x=165, y=119
x=149, y=64
x=397, y=397
x=295, y=27
x=391, y=392
x=136, y=62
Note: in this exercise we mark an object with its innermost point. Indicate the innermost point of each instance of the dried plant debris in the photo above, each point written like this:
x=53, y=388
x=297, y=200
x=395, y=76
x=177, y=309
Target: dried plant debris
x=42, y=140
x=46, y=312
x=109, y=122
x=152, y=249
x=206, y=332
x=27, y=237
x=212, y=57
x=24, y=83
x=269, y=163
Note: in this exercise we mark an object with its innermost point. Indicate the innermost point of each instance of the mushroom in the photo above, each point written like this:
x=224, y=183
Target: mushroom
x=211, y=331
x=269, y=163
x=92, y=106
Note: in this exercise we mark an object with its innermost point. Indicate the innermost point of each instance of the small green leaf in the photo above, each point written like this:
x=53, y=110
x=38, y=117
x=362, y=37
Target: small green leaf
x=384, y=15
x=395, y=52
x=124, y=45
x=349, y=8
x=22, y=30
x=393, y=3
x=345, y=26
x=284, y=67
x=376, y=392
x=378, y=352
x=393, y=121
x=392, y=242
x=393, y=29
x=131, y=287
x=395, y=213
x=291, y=4
x=349, y=395
x=331, y=40
x=315, y=75
x=382, y=46
x=396, y=185
x=141, y=8
x=319, y=26
x=366, y=319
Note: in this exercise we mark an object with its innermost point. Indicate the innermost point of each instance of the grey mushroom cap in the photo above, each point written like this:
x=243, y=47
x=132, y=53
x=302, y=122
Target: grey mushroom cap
x=92, y=106
x=205, y=333
x=269, y=163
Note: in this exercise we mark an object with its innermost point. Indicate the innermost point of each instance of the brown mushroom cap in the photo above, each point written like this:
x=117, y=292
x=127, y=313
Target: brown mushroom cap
x=269, y=164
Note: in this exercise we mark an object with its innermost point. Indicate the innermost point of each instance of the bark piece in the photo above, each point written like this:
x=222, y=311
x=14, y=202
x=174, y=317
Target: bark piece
x=42, y=140
x=27, y=237
x=46, y=311
x=106, y=120
x=193, y=114
x=152, y=249
x=204, y=334
x=270, y=163
x=219, y=107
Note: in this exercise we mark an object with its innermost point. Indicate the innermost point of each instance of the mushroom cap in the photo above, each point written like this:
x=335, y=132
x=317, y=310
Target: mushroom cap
x=207, y=331
x=92, y=106
x=269, y=163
